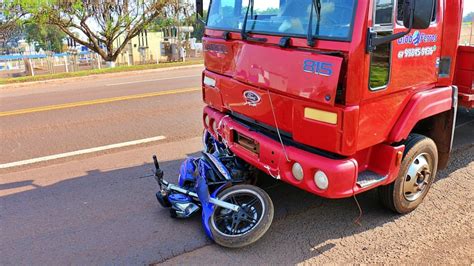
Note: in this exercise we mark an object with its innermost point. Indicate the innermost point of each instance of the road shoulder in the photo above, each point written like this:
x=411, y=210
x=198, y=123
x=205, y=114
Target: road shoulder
x=93, y=76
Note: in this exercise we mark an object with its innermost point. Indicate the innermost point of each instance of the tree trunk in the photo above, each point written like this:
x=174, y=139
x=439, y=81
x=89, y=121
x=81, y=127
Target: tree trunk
x=29, y=71
x=110, y=64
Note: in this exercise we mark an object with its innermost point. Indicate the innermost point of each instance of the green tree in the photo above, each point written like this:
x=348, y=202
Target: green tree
x=198, y=26
x=182, y=13
x=269, y=11
x=9, y=26
x=47, y=37
x=161, y=23
x=103, y=26
x=468, y=17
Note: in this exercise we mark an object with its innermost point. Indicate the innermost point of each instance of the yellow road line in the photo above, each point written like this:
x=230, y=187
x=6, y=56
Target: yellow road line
x=98, y=101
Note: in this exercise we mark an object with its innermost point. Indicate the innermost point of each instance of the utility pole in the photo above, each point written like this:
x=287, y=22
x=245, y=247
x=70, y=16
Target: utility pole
x=178, y=32
x=129, y=45
x=472, y=29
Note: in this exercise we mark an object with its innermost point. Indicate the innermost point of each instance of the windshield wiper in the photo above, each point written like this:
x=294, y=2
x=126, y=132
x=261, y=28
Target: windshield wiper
x=243, y=33
x=316, y=4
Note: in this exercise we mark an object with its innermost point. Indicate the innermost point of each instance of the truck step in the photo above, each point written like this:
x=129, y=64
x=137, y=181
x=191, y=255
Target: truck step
x=369, y=178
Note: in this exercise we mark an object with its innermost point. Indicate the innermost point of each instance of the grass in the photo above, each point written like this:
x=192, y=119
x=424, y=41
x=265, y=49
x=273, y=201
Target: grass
x=378, y=76
x=84, y=73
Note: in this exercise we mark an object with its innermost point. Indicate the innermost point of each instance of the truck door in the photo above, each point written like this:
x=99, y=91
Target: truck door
x=409, y=62
x=396, y=70
x=416, y=56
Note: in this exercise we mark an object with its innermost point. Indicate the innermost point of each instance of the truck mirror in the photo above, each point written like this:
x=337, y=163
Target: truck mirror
x=417, y=13
x=200, y=8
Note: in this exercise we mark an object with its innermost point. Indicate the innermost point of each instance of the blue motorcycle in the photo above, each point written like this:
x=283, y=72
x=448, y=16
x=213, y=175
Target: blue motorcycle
x=235, y=212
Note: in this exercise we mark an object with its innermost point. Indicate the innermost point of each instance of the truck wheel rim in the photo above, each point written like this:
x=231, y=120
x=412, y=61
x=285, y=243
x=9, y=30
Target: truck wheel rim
x=235, y=224
x=418, y=178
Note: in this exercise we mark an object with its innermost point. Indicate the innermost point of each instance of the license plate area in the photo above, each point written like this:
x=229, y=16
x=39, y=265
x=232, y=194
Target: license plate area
x=247, y=142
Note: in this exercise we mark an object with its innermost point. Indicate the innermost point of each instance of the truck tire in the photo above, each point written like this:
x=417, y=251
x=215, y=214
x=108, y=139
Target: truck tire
x=417, y=172
x=257, y=215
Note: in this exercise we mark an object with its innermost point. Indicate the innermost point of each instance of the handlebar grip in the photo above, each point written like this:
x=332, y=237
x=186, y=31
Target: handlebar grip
x=155, y=162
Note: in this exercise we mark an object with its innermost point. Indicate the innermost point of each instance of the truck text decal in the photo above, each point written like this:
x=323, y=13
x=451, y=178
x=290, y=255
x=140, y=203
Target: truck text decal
x=318, y=68
x=213, y=47
x=417, y=38
x=416, y=52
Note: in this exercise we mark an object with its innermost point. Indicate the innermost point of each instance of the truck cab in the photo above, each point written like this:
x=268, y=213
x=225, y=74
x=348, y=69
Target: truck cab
x=335, y=97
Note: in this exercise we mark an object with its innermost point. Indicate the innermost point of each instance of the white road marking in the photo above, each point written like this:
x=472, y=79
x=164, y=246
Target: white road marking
x=463, y=124
x=80, y=152
x=150, y=80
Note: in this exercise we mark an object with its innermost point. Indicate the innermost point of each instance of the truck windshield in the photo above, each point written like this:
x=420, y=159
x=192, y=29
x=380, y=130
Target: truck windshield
x=284, y=17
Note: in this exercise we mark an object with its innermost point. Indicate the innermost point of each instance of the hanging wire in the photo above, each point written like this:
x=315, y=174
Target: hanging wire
x=357, y=220
x=277, y=128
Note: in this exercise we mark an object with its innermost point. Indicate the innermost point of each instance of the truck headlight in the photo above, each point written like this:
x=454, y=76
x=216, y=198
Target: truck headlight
x=321, y=180
x=209, y=81
x=297, y=171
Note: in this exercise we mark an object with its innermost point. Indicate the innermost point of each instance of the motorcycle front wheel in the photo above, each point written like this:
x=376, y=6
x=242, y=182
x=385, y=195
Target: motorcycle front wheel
x=238, y=229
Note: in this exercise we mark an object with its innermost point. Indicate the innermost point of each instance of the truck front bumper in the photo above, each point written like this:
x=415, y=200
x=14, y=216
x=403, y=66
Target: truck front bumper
x=269, y=156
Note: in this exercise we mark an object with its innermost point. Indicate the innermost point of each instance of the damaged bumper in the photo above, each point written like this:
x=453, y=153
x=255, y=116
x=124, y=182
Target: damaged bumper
x=268, y=155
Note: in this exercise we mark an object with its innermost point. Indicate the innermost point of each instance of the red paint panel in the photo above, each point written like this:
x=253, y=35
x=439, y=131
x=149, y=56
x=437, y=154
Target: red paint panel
x=382, y=159
x=289, y=112
x=233, y=99
x=350, y=127
x=464, y=75
x=422, y=105
x=212, y=95
x=317, y=134
x=465, y=59
x=464, y=80
x=377, y=118
x=219, y=55
x=284, y=71
x=280, y=70
x=452, y=17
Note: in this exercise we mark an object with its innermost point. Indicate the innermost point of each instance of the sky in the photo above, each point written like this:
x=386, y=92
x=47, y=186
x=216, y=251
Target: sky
x=468, y=4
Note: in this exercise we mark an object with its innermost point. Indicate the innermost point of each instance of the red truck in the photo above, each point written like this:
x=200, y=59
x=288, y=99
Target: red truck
x=335, y=97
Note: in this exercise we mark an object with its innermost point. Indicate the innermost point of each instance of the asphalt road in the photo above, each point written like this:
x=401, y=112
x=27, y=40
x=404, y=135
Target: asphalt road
x=98, y=208
x=175, y=116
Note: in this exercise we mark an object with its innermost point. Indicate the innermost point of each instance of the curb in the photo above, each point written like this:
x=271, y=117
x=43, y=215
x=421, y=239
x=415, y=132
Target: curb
x=133, y=72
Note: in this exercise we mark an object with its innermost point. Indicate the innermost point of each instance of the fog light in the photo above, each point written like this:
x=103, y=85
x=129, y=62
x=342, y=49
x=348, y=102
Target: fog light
x=206, y=121
x=214, y=126
x=321, y=180
x=297, y=171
